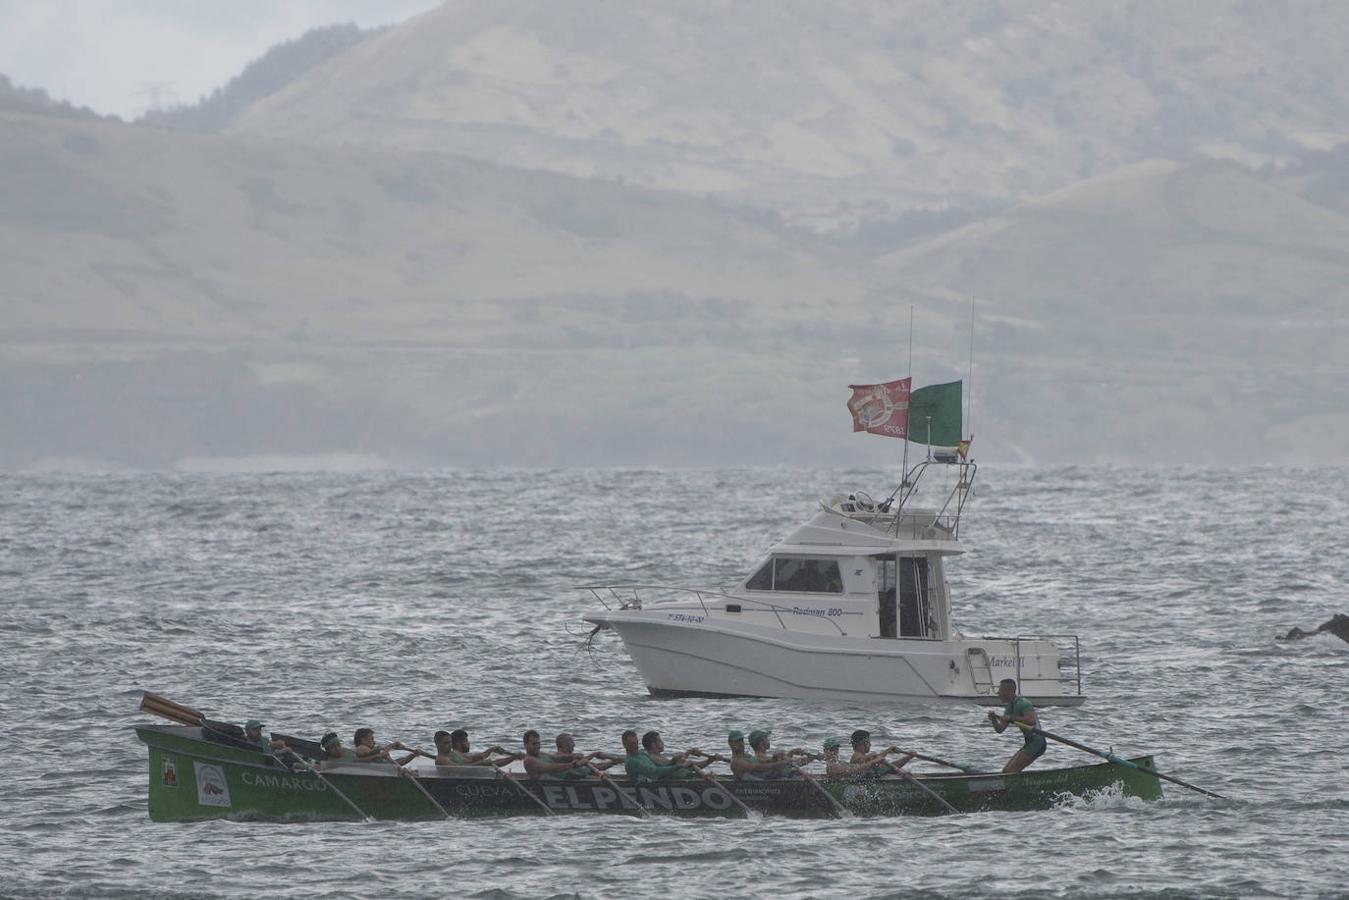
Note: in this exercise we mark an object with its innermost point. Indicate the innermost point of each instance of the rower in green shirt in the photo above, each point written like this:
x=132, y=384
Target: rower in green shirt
x=1018, y=709
x=647, y=764
x=253, y=734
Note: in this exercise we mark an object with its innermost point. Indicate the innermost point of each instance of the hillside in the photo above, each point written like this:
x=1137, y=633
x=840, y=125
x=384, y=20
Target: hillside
x=834, y=113
x=194, y=295
x=1180, y=308
x=178, y=297
x=556, y=234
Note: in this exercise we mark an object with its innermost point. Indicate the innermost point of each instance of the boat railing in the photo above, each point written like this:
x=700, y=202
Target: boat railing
x=948, y=517
x=893, y=515
x=1069, y=651
x=628, y=596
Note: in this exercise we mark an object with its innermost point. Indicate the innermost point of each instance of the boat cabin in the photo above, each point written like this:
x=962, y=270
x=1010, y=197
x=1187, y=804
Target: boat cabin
x=880, y=573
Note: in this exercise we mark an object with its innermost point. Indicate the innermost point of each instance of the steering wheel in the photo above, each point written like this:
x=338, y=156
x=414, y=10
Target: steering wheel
x=863, y=500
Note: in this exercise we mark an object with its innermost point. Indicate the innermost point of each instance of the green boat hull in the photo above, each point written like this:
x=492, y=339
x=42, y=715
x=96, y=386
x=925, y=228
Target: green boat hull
x=193, y=777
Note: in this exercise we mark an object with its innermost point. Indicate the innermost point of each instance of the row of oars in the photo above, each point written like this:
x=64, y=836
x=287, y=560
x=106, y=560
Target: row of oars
x=178, y=712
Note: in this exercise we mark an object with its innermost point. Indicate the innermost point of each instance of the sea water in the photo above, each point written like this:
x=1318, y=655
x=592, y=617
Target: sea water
x=413, y=602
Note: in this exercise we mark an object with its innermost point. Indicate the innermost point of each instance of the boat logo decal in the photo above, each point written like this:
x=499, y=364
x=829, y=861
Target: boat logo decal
x=170, y=774
x=660, y=797
x=284, y=782
x=211, y=787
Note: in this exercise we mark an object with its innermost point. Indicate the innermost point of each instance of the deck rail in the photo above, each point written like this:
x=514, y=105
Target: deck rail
x=1069, y=661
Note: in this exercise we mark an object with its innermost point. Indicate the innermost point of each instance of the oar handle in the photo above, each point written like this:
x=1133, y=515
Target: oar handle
x=968, y=770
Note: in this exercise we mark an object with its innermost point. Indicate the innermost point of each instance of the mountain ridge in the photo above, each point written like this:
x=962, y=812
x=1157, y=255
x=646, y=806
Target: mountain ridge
x=297, y=291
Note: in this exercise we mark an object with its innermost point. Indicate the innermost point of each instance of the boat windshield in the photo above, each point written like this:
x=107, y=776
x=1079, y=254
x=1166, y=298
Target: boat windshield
x=799, y=575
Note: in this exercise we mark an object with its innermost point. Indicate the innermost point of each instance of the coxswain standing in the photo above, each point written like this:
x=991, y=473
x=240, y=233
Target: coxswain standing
x=1018, y=709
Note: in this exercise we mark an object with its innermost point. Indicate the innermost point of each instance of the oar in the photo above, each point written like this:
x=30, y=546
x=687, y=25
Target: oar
x=968, y=770
x=410, y=776
x=707, y=776
x=310, y=767
x=524, y=790
x=839, y=808
x=177, y=712
x=641, y=810
x=169, y=709
x=1110, y=757
x=912, y=779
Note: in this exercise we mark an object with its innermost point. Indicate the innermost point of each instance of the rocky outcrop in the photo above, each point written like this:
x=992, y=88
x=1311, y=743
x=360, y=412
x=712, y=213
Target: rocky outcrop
x=1337, y=625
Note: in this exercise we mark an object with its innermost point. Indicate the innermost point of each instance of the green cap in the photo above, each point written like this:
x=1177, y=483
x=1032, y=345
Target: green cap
x=758, y=735
x=736, y=735
x=831, y=743
x=330, y=739
x=252, y=724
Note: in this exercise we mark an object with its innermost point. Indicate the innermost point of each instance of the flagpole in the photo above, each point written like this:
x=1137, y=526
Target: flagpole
x=904, y=461
x=969, y=397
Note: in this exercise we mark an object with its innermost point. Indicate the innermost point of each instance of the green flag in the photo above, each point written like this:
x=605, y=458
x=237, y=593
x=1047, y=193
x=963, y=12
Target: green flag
x=937, y=405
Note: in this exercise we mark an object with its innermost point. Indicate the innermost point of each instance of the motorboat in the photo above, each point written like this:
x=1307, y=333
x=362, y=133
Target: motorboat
x=853, y=605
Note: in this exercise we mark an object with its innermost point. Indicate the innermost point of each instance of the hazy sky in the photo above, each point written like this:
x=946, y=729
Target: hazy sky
x=123, y=56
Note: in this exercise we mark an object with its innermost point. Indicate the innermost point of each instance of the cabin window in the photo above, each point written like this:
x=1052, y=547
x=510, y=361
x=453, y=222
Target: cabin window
x=762, y=580
x=798, y=575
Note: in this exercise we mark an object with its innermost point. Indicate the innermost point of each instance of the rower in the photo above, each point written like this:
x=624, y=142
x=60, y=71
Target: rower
x=863, y=757
x=1018, y=709
x=273, y=747
x=648, y=764
x=760, y=766
x=452, y=749
x=368, y=751
x=630, y=748
x=253, y=734
x=588, y=767
x=837, y=768
x=760, y=743
x=679, y=759
x=333, y=751
x=538, y=764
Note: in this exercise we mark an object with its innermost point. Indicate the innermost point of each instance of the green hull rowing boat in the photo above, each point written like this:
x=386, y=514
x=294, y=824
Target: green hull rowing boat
x=195, y=776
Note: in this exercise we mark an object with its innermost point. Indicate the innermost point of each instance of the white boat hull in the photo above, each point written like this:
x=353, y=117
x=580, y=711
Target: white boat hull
x=729, y=659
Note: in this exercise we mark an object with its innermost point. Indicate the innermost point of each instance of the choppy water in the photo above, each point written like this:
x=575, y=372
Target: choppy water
x=412, y=602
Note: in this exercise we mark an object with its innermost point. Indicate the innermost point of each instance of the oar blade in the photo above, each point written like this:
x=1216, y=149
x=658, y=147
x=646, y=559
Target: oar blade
x=157, y=705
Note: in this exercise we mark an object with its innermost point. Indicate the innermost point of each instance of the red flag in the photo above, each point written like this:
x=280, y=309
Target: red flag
x=881, y=408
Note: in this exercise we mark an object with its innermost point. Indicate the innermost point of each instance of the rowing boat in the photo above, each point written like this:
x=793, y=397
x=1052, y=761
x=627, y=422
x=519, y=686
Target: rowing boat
x=198, y=773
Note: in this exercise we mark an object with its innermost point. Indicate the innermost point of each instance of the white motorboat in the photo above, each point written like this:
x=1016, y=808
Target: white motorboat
x=853, y=605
